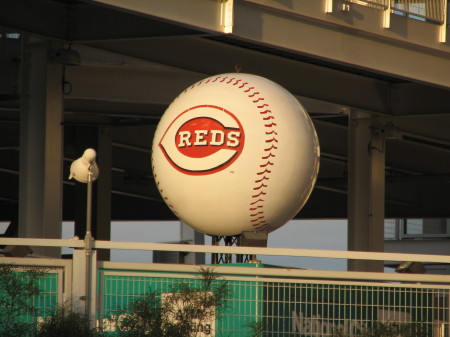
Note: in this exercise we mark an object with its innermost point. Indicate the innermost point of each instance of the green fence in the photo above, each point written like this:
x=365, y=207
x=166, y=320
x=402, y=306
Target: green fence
x=16, y=302
x=294, y=307
x=281, y=301
x=118, y=288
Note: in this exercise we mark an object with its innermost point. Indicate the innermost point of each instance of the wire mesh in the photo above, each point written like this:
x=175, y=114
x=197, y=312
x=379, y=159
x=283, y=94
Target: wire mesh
x=242, y=308
x=48, y=297
x=390, y=229
x=303, y=307
x=433, y=10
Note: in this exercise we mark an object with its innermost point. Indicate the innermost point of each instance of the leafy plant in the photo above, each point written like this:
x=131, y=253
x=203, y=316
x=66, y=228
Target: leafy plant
x=186, y=311
x=18, y=286
x=256, y=328
x=63, y=321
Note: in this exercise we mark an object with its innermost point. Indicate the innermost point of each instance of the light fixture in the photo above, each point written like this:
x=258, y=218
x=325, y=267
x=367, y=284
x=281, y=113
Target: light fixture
x=85, y=170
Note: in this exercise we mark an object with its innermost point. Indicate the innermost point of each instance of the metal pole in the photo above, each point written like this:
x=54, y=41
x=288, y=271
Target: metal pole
x=88, y=243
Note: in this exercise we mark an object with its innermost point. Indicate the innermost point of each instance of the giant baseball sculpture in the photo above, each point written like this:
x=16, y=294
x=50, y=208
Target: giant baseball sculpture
x=233, y=153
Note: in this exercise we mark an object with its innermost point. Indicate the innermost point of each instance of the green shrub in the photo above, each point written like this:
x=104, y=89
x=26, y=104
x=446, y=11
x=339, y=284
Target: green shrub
x=18, y=286
x=63, y=321
x=180, y=313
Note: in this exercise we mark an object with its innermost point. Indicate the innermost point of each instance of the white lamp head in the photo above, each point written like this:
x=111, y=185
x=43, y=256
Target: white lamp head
x=89, y=155
x=84, y=167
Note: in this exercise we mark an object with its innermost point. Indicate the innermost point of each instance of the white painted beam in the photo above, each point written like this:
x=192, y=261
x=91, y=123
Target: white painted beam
x=319, y=253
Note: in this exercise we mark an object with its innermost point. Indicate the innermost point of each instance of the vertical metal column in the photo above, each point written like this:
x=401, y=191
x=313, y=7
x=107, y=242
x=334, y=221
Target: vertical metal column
x=83, y=298
x=189, y=234
x=41, y=144
x=366, y=186
x=218, y=258
x=103, y=209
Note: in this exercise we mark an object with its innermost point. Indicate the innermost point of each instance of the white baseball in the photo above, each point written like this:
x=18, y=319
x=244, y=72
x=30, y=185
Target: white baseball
x=233, y=153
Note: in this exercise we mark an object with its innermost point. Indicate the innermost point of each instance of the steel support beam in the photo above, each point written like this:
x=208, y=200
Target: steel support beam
x=409, y=49
x=41, y=145
x=208, y=15
x=202, y=57
x=366, y=186
x=187, y=233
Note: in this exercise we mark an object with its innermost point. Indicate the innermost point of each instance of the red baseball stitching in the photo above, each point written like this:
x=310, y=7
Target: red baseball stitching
x=265, y=171
x=259, y=187
x=273, y=147
x=264, y=109
x=255, y=208
x=257, y=201
x=266, y=164
x=270, y=125
x=263, y=178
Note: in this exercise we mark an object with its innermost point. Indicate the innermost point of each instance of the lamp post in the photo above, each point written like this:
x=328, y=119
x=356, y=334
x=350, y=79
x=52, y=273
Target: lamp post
x=85, y=170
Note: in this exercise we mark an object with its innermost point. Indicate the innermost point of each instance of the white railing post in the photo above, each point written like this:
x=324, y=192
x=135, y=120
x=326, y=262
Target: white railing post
x=227, y=16
x=328, y=6
x=92, y=288
x=84, y=281
x=443, y=25
x=78, y=280
x=387, y=15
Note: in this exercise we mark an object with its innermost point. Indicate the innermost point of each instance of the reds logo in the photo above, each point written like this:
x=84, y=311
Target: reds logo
x=202, y=140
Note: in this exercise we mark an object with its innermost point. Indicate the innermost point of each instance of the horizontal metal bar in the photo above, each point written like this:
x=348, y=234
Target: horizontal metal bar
x=39, y=262
x=284, y=273
x=331, y=254
x=379, y=4
x=72, y=243
x=253, y=277
x=318, y=253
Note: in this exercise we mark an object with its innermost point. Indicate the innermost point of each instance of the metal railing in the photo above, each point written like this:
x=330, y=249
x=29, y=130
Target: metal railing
x=285, y=301
x=380, y=4
x=433, y=10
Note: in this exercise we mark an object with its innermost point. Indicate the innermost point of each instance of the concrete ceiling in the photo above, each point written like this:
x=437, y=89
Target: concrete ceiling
x=133, y=65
